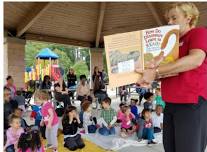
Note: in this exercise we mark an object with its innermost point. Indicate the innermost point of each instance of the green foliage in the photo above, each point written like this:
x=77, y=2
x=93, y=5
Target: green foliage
x=67, y=56
x=81, y=68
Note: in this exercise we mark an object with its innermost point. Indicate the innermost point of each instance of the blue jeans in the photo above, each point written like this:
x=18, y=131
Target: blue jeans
x=92, y=129
x=10, y=148
x=105, y=131
x=148, y=133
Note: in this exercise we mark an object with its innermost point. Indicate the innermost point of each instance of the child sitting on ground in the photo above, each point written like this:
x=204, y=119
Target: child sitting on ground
x=30, y=142
x=157, y=119
x=145, y=130
x=71, y=123
x=13, y=134
x=18, y=113
x=149, y=99
x=120, y=112
x=134, y=108
x=50, y=118
x=158, y=98
x=89, y=122
x=127, y=122
x=108, y=118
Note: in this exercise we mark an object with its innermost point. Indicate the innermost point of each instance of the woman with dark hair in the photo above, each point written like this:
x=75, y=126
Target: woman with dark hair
x=46, y=84
x=11, y=86
x=71, y=123
x=99, y=89
x=61, y=92
x=71, y=77
x=96, y=72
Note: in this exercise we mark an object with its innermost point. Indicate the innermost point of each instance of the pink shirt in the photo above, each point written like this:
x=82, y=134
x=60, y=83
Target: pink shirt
x=30, y=150
x=120, y=115
x=45, y=113
x=13, y=136
x=126, y=122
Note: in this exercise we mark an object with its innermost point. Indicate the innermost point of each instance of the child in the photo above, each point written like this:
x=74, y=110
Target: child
x=13, y=133
x=30, y=142
x=37, y=115
x=50, y=118
x=134, y=108
x=71, y=123
x=120, y=112
x=18, y=113
x=149, y=99
x=127, y=122
x=146, y=127
x=123, y=93
x=108, y=118
x=20, y=100
x=89, y=122
x=157, y=119
x=158, y=98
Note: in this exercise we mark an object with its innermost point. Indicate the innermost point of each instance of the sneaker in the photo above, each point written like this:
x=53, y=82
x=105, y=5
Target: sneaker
x=139, y=140
x=150, y=143
x=48, y=147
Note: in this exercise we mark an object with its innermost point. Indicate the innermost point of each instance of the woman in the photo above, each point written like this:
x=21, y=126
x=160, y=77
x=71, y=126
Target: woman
x=97, y=73
x=11, y=86
x=99, y=89
x=185, y=94
x=83, y=89
x=71, y=77
x=61, y=92
x=46, y=84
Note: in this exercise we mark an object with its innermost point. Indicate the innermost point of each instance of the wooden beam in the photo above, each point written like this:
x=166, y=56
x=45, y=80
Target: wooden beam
x=60, y=40
x=100, y=22
x=32, y=16
x=154, y=13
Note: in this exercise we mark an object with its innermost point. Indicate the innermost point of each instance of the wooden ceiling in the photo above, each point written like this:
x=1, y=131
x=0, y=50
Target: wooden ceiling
x=84, y=23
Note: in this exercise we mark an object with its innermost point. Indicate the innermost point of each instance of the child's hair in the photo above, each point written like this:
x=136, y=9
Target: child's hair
x=85, y=105
x=158, y=89
x=30, y=139
x=188, y=9
x=147, y=95
x=126, y=107
x=67, y=110
x=12, y=117
x=107, y=100
x=159, y=106
x=18, y=109
x=121, y=104
x=19, y=92
x=41, y=95
x=143, y=112
x=135, y=100
x=82, y=77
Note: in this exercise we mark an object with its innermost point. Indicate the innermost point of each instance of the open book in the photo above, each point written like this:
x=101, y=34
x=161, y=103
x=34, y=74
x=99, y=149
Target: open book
x=126, y=52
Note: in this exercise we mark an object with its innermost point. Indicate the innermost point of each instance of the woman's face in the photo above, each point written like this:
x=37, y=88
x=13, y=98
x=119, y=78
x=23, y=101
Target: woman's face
x=176, y=17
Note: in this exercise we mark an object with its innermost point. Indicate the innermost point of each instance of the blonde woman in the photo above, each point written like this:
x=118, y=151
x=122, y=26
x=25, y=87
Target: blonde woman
x=185, y=115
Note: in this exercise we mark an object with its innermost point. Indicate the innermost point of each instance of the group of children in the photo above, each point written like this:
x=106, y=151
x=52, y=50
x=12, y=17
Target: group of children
x=128, y=118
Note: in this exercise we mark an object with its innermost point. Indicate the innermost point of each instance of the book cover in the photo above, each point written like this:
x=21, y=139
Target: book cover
x=126, y=52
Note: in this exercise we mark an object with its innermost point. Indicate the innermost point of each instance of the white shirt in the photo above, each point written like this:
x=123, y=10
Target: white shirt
x=157, y=120
x=87, y=121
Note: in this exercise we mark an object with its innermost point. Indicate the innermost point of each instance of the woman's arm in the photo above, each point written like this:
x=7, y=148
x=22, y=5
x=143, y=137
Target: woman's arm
x=186, y=63
x=192, y=61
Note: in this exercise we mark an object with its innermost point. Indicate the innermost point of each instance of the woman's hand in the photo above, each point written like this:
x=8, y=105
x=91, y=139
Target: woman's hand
x=148, y=76
x=42, y=123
